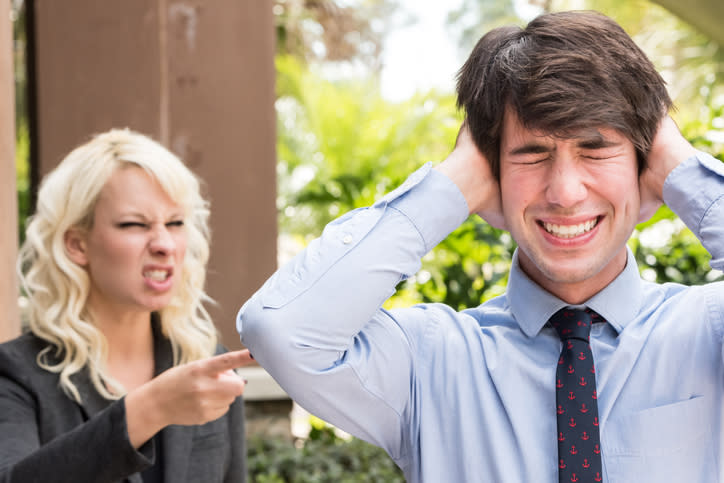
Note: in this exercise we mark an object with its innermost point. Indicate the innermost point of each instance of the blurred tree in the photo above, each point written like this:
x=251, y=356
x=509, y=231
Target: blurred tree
x=22, y=139
x=341, y=146
x=332, y=30
x=705, y=15
x=691, y=63
x=473, y=18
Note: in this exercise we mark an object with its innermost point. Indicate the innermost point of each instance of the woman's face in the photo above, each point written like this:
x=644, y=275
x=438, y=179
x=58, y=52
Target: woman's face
x=135, y=249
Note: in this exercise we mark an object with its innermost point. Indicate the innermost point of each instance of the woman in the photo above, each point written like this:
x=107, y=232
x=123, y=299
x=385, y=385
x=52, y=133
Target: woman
x=115, y=379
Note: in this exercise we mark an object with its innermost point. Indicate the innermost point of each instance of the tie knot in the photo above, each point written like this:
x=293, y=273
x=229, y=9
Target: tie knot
x=572, y=323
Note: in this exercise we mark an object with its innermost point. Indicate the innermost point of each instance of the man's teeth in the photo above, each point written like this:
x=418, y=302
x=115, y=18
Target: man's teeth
x=570, y=231
x=156, y=275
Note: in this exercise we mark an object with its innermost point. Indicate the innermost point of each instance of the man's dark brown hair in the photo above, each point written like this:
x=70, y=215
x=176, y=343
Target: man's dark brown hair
x=564, y=72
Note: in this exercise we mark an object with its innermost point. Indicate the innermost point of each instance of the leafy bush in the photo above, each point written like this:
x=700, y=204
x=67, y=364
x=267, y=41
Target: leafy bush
x=322, y=458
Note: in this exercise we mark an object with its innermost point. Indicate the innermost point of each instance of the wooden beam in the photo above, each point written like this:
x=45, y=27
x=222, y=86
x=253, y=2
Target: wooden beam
x=10, y=321
x=197, y=75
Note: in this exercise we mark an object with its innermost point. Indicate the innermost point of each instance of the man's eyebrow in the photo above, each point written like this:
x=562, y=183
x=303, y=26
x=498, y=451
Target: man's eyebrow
x=597, y=142
x=530, y=148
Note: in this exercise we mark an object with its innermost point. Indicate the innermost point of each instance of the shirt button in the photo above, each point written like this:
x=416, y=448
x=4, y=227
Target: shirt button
x=347, y=239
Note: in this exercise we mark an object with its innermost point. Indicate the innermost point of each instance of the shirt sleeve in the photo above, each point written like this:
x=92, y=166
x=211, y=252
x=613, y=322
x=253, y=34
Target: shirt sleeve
x=317, y=325
x=694, y=190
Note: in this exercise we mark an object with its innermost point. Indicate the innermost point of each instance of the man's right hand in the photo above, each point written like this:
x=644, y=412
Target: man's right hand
x=470, y=171
x=668, y=150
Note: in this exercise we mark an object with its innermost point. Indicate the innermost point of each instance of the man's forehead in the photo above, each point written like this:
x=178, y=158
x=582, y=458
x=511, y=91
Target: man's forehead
x=514, y=128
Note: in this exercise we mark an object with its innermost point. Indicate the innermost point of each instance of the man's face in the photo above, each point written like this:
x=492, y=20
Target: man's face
x=570, y=204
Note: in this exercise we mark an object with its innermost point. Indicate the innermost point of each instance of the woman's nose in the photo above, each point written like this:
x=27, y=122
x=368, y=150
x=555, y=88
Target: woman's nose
x=162, y=242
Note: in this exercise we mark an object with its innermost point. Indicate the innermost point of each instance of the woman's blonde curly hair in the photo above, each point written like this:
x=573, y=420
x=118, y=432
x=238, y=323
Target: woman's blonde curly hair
x=57, y=288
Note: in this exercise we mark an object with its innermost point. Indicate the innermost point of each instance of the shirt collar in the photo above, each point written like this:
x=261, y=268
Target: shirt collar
x=532, y=305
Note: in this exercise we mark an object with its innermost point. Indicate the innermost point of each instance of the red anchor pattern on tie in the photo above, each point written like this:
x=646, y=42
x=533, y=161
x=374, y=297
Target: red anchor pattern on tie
x=577, y=399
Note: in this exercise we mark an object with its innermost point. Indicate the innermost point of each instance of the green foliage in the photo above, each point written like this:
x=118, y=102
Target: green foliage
x=323, y=458
x=467, y=268
x=691, y=64
x=680, y=259
x=342, y=146
x=22, y=177
x=665, y=249
x=22, y=136
x=472, y=18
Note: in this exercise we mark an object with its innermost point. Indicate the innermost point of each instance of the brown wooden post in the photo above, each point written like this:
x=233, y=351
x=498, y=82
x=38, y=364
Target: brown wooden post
x=10, y=321
x=197, y=75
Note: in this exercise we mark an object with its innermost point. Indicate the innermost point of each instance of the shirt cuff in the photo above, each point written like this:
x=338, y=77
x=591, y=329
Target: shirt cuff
x=435, y=206
x=693, y=187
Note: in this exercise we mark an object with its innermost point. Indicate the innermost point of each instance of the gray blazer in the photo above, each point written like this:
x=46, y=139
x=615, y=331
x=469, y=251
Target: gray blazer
x=47, y=437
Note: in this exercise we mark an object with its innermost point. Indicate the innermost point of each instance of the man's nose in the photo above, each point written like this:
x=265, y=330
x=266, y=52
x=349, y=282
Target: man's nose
x=566, y=184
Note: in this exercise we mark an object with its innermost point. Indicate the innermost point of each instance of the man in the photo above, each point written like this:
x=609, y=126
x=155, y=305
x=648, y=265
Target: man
x=567, y=145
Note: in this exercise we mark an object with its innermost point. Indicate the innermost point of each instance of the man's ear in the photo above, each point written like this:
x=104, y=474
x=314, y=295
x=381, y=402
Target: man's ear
x=75, y=246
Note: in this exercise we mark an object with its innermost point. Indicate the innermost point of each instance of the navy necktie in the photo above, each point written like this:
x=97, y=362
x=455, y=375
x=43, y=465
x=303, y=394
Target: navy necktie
x=579, y=442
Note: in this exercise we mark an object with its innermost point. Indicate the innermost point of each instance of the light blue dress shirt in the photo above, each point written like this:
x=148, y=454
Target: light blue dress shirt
x=469, y=396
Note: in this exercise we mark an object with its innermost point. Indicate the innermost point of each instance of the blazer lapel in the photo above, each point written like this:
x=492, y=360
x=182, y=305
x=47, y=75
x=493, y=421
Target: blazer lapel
x=176, y=440
x=176, y=451
x=92, y=403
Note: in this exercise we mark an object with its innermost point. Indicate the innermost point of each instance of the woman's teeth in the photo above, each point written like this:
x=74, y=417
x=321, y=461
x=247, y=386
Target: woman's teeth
x=156, y=275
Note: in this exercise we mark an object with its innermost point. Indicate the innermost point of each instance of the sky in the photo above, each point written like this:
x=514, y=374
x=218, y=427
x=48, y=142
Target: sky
x=425, y=54
x=422, y=55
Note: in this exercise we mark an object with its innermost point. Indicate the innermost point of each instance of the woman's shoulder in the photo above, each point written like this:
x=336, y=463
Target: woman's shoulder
x=25, y=346
x=20, y=354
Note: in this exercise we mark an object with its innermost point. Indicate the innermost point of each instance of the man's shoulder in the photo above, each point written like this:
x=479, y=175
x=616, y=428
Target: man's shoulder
x=706, y=300
x=673, y=291
x=444, y=315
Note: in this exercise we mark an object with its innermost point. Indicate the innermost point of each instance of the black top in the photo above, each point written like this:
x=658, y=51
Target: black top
x=47, y=437
x=154, y=473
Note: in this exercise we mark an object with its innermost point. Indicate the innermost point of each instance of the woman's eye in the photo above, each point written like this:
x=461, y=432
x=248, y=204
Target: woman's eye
x=130, y=224
x=176, y=223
